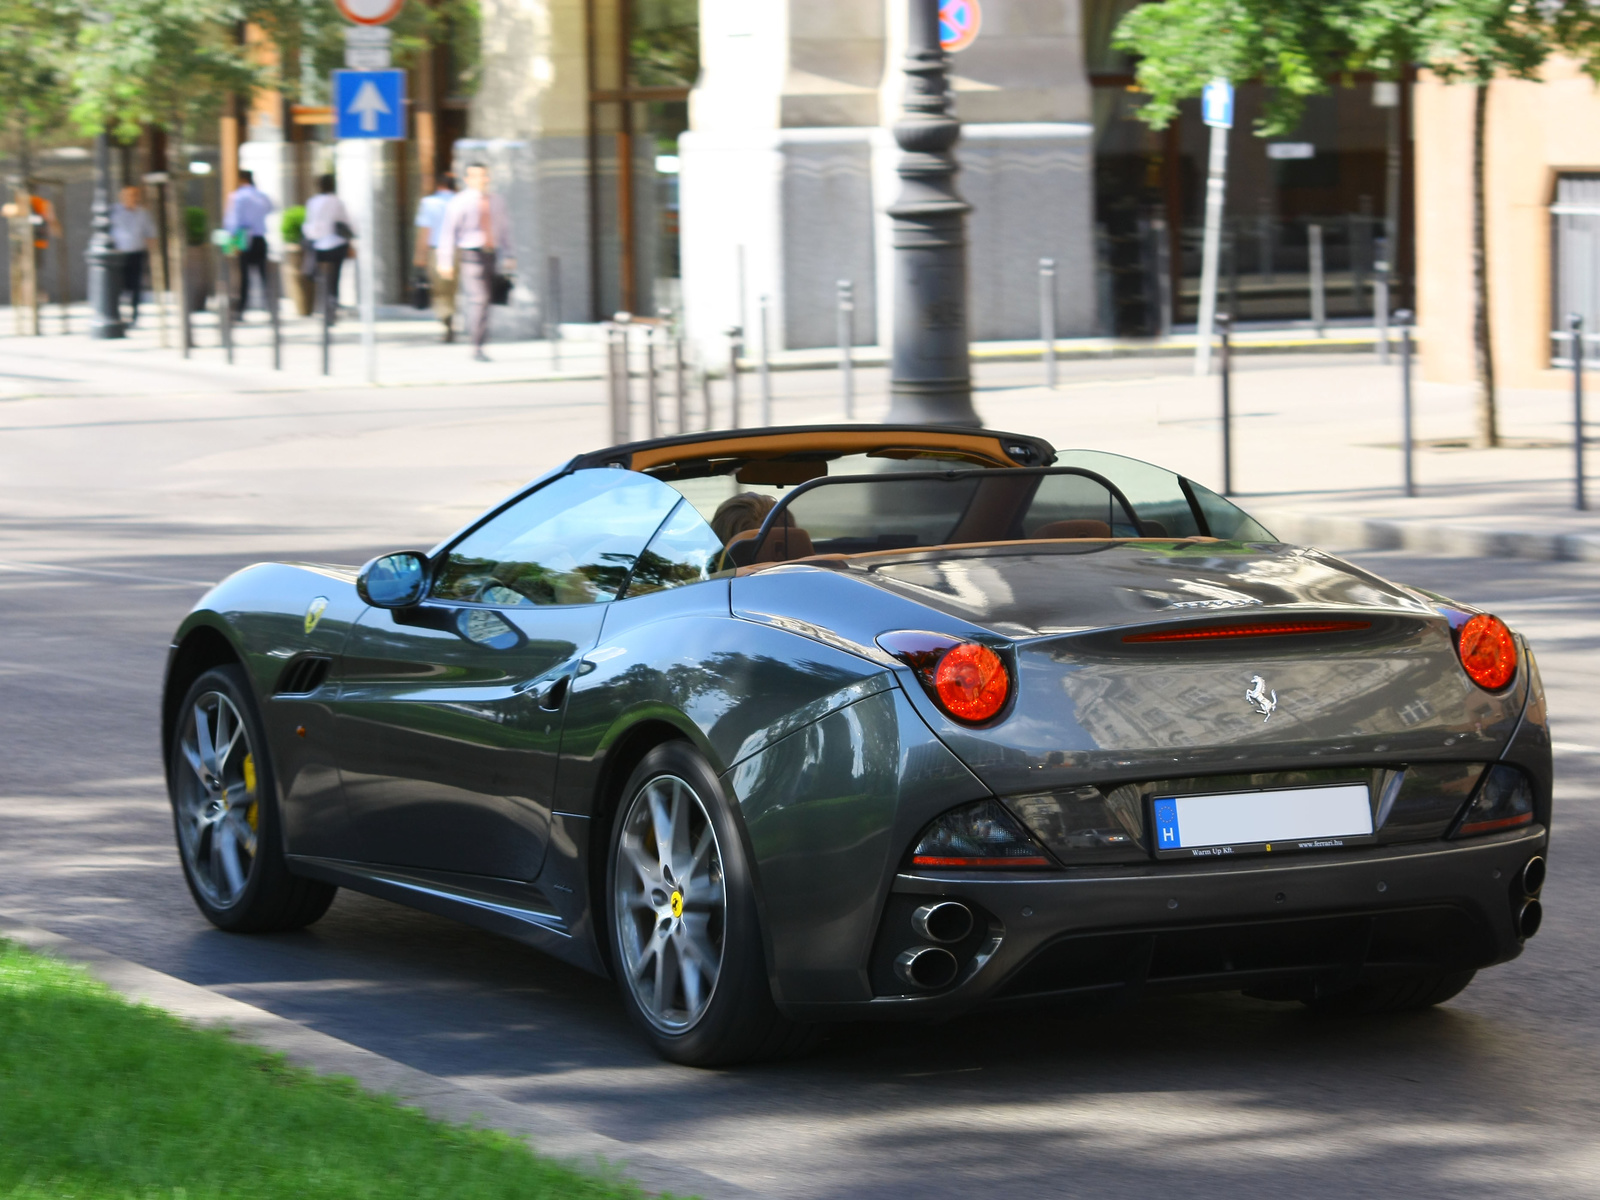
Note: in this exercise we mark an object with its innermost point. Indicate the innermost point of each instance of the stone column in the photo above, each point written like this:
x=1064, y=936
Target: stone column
x=530, y=124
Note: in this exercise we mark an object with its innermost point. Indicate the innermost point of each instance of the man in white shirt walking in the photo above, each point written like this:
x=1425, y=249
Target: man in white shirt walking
x=430, y=220
x=246, y=218
x=133, y=235
x=327, y=232
x=477, y=233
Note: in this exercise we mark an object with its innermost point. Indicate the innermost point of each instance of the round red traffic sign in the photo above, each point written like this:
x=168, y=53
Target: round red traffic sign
x=370, y=12
x=959, y=22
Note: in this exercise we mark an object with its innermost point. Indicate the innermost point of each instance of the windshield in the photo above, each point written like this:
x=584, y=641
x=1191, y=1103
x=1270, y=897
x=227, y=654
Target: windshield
x=904, y=510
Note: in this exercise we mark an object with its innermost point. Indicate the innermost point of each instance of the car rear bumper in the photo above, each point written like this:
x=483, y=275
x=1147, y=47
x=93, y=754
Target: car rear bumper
x=1264, y=924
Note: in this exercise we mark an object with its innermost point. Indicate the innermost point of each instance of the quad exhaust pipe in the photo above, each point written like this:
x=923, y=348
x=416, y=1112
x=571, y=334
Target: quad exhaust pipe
x=945, y=921
x=926, y=967
x=1532, y=876
x=1530, y=918
x=1530, y=914
x=929, y=968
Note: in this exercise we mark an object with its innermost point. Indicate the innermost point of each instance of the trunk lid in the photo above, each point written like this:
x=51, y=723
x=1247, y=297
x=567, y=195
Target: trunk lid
x=1092, y=707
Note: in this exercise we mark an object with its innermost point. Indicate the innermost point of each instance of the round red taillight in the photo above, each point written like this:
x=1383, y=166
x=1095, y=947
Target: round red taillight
x=1488, y=652
x=971, y=681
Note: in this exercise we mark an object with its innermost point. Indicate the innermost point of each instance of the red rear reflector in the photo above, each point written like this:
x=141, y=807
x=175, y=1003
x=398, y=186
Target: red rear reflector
x=1197, y=633
x=1488, y=652
x=1501, y=823
x=922, y=860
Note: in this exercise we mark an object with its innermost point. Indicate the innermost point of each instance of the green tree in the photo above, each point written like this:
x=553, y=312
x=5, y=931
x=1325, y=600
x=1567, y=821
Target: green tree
x=167, y=63
x=36, y=38
x=1298, y=47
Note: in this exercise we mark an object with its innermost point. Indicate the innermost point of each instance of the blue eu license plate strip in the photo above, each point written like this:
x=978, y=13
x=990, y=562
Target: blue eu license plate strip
x=1282, y=819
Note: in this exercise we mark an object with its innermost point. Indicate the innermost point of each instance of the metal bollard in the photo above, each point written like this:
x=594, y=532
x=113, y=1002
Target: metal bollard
x=1158, y=229
x=707, y=411
x=1407, y=437
x=652, y=394
x=274, y=293
x=1319, y=300
x=680, y=381
x=180, y=290
x=552, y=306
x=1380, y=307
x=329, y=303
x=1047, y=318
x=735, y=352
x=765, y=305
x=225, y=304
x=620, y=374
x=1225, y=367
x=1264, y=243
x=847, y=341
x=1575, y=323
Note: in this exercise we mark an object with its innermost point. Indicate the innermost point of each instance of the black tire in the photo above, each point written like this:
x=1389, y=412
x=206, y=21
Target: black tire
x=739, y=1022
x=271, y=899
x=1422, y=990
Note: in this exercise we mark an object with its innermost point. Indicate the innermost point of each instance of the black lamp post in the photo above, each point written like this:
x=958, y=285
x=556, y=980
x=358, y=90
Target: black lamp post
x=930, y=380
x=105, y=264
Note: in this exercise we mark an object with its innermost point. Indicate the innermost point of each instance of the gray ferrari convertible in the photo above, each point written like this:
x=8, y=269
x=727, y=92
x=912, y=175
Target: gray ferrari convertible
x=788, y=726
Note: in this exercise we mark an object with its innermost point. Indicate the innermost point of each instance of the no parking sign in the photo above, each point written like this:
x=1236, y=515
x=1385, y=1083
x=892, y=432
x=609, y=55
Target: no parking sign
x=959, y=22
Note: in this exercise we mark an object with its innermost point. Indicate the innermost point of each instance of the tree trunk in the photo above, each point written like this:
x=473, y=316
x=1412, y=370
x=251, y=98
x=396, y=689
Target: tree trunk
x=1488, y=432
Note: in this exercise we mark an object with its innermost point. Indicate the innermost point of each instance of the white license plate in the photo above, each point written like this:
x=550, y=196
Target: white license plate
x=1286, y=819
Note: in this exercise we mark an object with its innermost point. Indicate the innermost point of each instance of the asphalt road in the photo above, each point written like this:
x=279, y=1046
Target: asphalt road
x=103, y=542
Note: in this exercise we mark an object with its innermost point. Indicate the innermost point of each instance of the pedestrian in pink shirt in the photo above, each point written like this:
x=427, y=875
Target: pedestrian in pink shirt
x=476, y=235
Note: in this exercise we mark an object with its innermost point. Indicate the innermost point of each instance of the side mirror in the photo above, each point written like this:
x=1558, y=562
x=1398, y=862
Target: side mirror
x=394, y=580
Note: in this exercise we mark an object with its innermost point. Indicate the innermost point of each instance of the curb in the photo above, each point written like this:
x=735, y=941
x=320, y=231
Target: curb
x=546, y=1132
x=1425, y=537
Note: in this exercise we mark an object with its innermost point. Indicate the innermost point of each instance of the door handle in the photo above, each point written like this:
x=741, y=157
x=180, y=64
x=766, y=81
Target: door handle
x=550, y=696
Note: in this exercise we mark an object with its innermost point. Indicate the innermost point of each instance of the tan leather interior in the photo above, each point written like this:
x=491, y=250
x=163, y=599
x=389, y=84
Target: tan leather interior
x=985, y=447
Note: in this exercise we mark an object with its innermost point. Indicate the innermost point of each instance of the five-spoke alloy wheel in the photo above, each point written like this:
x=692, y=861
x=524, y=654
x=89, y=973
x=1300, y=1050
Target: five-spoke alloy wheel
x=225, y=808
x=685, y=937
x=218, y=813
x=671, y=903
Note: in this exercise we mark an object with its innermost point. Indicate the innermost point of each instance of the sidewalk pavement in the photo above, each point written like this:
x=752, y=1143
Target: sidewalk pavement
x=1316, y=437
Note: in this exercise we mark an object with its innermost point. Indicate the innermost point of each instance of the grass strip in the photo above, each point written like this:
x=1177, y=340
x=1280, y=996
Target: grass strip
x=103, y=1098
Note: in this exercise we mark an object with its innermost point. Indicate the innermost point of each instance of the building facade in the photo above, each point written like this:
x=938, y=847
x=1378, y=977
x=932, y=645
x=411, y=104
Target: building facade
x=1542, y=204
x=730, y=161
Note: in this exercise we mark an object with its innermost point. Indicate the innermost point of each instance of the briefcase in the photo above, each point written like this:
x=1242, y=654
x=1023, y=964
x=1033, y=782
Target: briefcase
x=500, y=289
x=421, y=290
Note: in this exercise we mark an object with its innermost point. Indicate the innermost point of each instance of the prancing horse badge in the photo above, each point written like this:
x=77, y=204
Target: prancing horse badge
x=1263, y=701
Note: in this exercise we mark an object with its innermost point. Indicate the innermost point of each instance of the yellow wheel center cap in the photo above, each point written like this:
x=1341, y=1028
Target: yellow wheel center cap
x=677, y=904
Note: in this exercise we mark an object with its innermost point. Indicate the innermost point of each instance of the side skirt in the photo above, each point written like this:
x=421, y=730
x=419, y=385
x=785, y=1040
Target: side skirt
x=508, y=907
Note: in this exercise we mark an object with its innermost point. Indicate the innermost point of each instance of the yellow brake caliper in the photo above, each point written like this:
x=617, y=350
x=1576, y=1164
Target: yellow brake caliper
x=250, y=789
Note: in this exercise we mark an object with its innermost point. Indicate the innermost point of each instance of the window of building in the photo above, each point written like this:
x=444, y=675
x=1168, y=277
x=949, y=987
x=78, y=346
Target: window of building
x=1575, y=266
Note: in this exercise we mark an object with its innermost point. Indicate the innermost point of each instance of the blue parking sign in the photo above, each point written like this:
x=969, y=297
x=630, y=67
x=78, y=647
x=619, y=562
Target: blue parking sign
x=370, y=104
x=1216, y=104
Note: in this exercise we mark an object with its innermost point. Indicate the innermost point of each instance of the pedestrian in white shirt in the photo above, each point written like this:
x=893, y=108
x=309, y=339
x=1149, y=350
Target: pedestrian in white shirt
x=327, y=232
x=476, y=233
x=430, y=220
x=133, y=234
x=246, y=218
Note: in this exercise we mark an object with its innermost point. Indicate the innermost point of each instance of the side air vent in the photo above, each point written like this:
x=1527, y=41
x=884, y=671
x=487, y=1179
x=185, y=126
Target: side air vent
x=303, y=675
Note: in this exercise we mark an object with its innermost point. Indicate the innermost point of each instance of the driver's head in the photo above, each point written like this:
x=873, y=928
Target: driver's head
x=741, y=514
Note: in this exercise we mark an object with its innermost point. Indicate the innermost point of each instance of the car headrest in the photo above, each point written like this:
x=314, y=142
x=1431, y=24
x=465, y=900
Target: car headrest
x=1081, y=528
x=784, y=543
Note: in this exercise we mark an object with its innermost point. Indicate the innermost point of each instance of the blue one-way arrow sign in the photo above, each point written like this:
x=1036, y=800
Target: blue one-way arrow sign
x=370, y=104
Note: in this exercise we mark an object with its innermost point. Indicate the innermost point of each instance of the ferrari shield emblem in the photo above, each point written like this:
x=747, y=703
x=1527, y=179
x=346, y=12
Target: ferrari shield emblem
x=314, y=612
